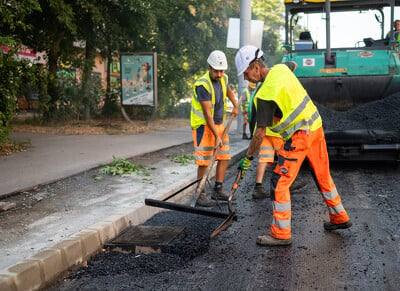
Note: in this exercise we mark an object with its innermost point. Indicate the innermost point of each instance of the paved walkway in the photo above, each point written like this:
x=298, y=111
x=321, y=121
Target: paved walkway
x=53, y=157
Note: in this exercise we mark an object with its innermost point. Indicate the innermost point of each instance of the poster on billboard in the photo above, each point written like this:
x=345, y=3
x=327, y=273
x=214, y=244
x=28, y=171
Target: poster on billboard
x=139, y=79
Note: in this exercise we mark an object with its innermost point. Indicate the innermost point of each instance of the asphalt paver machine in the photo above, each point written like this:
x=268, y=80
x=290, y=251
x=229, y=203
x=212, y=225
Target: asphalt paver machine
x=344, y=77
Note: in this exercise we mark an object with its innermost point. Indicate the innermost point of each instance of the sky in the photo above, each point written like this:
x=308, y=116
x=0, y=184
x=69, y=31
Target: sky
x=346, y=28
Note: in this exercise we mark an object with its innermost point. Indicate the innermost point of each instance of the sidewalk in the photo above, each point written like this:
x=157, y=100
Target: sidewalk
x=53, y=157
x=45, y=248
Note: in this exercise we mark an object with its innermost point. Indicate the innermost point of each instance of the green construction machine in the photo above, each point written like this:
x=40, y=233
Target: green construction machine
x=343, y=72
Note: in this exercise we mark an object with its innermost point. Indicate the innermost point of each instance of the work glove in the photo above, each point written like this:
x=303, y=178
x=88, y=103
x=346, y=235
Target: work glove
x=244, y=164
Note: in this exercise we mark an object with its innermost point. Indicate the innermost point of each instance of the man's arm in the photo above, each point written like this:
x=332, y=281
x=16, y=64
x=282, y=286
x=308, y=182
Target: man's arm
x=256, y=141
x=206, y=106
x=265, y=115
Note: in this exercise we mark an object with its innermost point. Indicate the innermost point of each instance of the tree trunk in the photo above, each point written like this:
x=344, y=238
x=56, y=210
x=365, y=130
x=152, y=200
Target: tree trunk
x=87, y=77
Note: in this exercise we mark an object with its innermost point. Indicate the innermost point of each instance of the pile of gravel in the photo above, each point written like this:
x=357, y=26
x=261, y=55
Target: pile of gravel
x=383, y=114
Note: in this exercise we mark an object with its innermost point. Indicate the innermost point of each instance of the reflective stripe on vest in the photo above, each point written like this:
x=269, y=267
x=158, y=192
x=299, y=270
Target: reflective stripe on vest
x=302, y=124
x=298, y=111
x=197, y=116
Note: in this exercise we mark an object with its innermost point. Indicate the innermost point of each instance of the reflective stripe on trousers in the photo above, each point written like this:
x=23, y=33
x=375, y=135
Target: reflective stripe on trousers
x=292, y=154
x=204, y=143
x=269, y=145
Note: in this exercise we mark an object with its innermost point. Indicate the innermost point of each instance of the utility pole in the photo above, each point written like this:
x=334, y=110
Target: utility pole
x=245, y=31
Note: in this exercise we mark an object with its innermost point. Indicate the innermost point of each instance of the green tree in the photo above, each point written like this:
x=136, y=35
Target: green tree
x=271, y=12
x=13, y=73
x=119, y=19
x=53, y=32
x=185, y=34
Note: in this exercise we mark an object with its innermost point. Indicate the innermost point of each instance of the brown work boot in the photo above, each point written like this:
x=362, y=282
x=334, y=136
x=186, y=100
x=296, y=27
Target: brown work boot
x=203, y=201
x=267, y=240
x=332, y=226
x=297, y=184
x=259, y=192
x=220, y=194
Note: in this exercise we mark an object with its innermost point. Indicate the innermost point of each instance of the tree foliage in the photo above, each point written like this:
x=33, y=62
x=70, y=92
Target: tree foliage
x=271, y=12
x=183, y=33
x=14, y=75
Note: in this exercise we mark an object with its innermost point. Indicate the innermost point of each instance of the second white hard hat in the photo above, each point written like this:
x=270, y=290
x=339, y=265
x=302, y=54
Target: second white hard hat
x=217, y=60
x=245, y=56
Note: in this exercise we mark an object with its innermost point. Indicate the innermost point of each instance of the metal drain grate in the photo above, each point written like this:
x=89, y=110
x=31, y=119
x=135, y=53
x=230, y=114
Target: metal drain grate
x=144, y=239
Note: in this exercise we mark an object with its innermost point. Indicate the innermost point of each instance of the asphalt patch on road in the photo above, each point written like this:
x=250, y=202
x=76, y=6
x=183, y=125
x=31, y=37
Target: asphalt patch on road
x=193, y=241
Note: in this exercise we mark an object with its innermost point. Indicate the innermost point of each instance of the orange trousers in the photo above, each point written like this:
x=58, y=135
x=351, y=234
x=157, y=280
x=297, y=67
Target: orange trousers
x=269, y=147
x=292, y=154
x=204, y=145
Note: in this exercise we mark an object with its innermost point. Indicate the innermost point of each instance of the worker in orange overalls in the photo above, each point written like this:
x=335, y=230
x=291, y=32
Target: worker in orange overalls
x=209, y=104
x=269, y=148
x=283, y=105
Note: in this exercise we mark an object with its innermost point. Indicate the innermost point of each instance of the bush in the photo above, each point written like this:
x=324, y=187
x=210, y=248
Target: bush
x=19, y=75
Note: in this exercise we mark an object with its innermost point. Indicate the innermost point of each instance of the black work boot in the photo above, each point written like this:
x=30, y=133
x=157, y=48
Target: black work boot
x=332, y=226
x=267, y=240
x=203, y=201
x=259, y=192
x=219, y=193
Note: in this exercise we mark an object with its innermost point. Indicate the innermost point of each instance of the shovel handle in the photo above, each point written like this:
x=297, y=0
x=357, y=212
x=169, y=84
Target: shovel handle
x=233, y=190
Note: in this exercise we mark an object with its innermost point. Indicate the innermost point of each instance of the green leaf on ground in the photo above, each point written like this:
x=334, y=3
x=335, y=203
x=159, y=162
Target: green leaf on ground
x=183, y=159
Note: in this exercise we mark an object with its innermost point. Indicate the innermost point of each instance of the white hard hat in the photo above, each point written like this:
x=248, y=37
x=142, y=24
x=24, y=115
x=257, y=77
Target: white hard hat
x=217, y=60
x=245, y=56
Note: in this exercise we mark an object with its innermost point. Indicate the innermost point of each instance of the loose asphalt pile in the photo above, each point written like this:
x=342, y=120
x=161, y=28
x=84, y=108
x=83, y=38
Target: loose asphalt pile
x=383, y=114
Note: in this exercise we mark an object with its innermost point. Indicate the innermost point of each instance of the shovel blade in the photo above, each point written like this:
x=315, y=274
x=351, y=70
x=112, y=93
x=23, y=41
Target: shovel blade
x=223, y=225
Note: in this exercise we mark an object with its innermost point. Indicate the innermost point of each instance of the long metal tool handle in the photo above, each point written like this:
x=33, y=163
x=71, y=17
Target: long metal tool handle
x=234, y=188
x=231, y=215
x=202, y=183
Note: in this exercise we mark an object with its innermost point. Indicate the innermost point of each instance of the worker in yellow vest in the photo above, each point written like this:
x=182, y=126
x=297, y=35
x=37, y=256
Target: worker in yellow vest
x=283, y=105
x=209, y=104
x=269, y=148
x=244, y=107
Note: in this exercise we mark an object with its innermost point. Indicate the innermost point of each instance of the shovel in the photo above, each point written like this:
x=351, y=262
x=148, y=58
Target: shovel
x=231, y=215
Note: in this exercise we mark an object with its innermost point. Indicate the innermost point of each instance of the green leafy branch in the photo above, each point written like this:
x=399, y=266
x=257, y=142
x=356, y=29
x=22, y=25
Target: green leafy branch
x=182, y=159
x=123, y=167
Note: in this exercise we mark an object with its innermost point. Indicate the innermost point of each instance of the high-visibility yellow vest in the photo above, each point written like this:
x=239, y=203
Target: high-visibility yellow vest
x=196, y=115
x=267, y=130
x=298, y=111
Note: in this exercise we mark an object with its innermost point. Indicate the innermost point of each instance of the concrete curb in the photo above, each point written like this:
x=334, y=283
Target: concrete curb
x=49, y=264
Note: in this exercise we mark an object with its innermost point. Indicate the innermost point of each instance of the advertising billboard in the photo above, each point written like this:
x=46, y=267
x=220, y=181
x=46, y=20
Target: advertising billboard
x=139, y=79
